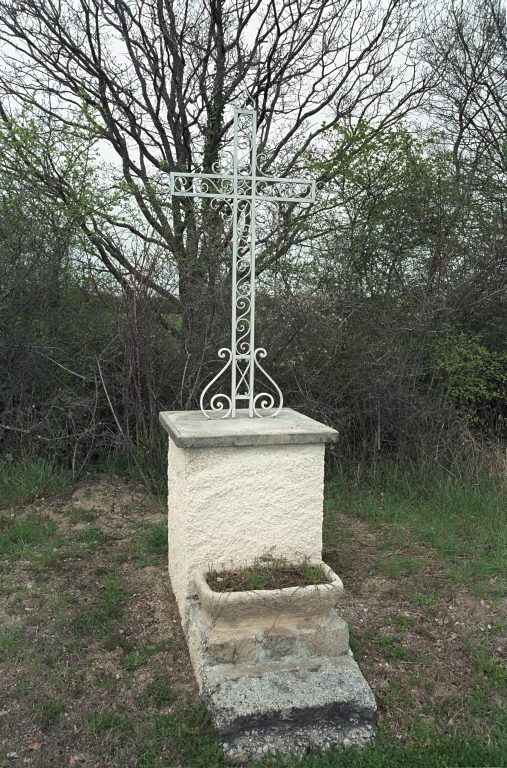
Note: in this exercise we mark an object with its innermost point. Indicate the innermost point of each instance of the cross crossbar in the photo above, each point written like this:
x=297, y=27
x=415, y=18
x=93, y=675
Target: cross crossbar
x=244, y=188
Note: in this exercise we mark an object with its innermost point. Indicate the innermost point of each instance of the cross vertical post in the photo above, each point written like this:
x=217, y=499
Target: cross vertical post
x=242, y=189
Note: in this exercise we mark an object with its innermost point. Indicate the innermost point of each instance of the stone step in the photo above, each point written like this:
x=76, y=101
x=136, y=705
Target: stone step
x=290, y=710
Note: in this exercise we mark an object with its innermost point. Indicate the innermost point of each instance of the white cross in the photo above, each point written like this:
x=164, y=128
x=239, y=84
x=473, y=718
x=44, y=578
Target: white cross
x=243, y=189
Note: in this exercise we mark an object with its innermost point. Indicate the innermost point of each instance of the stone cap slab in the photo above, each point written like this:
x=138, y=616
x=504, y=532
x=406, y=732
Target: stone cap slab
x=191, y=429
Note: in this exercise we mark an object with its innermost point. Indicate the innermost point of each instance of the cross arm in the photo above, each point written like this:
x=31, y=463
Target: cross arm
x=202, y=185
x=281, y=190
x=268, y=188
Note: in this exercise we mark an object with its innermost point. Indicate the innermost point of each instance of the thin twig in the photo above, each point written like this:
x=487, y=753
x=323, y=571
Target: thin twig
x=59, y=364
x=127, y=442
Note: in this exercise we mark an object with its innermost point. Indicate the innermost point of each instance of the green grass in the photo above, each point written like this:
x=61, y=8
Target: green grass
x=396, y=651
x=153, y=539
x=48, y=712
x=160, y=692
x=384, y=640
x=423, y=523
x=355, y=643
x=78, y=515
x=91, y=537
x=138, y=657
x=21, y=689
x=183, y=736
x=464, y=521
x=10, y=642
x=81, y=619
x=145, y=466
x=444, y=752
x=23, y=482
x=97, y=722
x=19, y=536
x=420, y=599
x=97, y=617
x=35, y=538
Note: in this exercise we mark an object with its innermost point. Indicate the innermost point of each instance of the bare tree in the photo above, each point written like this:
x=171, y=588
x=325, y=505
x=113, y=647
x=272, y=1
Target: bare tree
x=157, y=78
x=467, y=44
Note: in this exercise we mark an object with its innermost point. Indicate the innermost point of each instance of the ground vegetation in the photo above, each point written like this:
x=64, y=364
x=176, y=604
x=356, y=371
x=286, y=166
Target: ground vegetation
x=95, y=668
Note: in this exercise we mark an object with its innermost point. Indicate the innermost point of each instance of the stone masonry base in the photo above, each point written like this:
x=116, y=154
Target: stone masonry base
x=283, y=690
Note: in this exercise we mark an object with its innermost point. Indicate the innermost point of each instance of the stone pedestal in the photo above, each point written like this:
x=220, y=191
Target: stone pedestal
x=241, y=490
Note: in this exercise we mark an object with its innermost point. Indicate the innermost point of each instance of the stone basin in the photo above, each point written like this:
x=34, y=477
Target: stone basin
x=297, y=606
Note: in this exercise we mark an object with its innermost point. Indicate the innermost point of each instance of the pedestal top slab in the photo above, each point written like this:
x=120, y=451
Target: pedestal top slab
x=191, y=429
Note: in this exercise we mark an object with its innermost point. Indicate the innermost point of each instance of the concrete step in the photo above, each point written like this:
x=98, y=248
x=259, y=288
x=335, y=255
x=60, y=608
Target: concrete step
x=290, y=709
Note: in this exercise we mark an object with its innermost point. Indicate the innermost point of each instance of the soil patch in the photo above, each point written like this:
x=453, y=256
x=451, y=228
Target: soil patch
x=269, y=576
x=94, y=665
x=434, y=650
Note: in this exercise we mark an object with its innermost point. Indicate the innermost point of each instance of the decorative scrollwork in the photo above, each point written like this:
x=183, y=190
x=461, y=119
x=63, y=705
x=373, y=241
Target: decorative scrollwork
x=242, y=379
x=244, y=264
x=202, y=185
x=217, y=401
x=289, y=190
x=261, y=160
x=245, y=188
x=222, y=206
x=268, y=403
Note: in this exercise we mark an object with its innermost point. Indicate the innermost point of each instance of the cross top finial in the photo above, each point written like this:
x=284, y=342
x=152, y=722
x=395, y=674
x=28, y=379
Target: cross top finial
x=243, y=190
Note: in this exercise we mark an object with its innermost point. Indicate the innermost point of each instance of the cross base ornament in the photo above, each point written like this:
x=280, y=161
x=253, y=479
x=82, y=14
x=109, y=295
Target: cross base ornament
x=242, y=190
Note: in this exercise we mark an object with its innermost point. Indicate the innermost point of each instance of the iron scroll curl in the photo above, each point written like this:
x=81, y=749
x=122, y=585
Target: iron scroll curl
x=216, y=404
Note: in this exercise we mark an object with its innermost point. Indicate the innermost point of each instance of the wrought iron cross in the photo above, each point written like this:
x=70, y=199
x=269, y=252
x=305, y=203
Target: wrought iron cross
x=243, y=188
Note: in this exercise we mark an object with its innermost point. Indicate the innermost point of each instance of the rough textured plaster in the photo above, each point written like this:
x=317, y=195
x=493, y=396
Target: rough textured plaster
x=230, y=506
